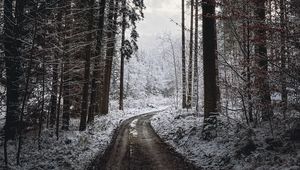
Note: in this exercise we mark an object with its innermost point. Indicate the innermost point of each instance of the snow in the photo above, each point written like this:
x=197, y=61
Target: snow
x=74, y=149
x=182, y=130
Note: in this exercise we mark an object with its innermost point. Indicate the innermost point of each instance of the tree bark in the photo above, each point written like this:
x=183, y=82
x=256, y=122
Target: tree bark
x=283, y=57
x=88, y=52
x=196, y=80
x=190, y=69
x=210, y=69
x=209, y=57
x=183, y=56
x=67, y=74
x=112, y=28
x=261, y=59
x=14, y=73
x=121, y=102
x=96, y=77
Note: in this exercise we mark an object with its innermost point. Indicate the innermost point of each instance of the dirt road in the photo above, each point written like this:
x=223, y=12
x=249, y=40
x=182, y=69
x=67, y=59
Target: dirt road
x=137, y=147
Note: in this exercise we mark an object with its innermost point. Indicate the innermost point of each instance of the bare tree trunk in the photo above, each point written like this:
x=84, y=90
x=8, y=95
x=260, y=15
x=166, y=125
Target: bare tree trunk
x=95, y=95
x=261, y=72
x=14, y=73
x=190, y=69
x=283, y=58
x=112, y=28
x=196, y=79
x=88, y=52
x=175, y=69
x=183, y=56
x=59, y=99
x=210, y=68
x=247, y=54
x=121, y=102
x=53, y=100
x=67, y=74
x=61, y=76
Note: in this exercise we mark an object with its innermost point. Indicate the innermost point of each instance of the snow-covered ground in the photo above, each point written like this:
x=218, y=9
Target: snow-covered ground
x=236, y=147
x=74, y=149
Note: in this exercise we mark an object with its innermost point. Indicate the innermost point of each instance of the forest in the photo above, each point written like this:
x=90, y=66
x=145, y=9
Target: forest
x=217, y=88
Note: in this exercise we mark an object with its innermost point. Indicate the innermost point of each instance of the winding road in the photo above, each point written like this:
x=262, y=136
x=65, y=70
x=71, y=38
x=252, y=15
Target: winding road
x=137, y=147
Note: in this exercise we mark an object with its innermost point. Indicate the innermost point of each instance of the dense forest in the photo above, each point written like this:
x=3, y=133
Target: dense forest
x=72, y=74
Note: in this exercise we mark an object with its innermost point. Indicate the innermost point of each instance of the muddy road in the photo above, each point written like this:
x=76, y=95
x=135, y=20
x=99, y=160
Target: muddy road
x=137, y=147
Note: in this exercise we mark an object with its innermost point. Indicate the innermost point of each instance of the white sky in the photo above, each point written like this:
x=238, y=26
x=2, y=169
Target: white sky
x=158, y=15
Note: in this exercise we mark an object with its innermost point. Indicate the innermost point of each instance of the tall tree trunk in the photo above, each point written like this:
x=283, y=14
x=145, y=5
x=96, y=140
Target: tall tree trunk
x=14, y=73
x=261, y=72
x=55, y=67
x=283, y=57
x=190, y=69
x=67, y=74
x=209, y=67
x=112, y=28
x=88, y=52
x=53, y=100
x=183, y=56
x=121, y=102
x=196, y=80
x=60, y=34
x=96, y=77
x=247, y=59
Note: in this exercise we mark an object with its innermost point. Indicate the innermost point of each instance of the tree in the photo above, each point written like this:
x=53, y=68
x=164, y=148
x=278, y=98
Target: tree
x=184, y=104
x=261, y=60
x=88, y=53
x=210, y=67
x=196, y=80
x=110, y=50
x=121, y=97
x=190, y=68
x=95, y=98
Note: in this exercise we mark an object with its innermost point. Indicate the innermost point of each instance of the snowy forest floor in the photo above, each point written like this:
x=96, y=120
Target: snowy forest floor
x=236, y=147
x=74, y=149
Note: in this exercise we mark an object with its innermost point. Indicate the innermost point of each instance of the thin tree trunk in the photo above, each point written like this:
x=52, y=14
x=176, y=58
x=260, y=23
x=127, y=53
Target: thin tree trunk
x=43, y=104
x=59, y=99
x=53, y=100
x=183, y=56
x=190, y=69
x=121, y=107
x=283, y=58
x=196, y=80
x=67, y=74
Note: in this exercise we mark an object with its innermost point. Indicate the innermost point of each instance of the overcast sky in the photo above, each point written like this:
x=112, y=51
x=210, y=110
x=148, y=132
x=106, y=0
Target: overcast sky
x=158, y=14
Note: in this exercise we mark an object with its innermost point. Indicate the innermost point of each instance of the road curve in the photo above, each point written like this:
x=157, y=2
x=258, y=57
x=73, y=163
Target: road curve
x=137, y=147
